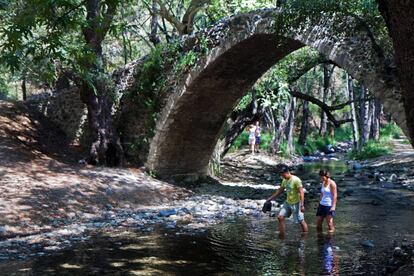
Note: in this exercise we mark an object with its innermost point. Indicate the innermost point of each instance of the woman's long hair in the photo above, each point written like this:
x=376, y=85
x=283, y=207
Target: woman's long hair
x=324, y=173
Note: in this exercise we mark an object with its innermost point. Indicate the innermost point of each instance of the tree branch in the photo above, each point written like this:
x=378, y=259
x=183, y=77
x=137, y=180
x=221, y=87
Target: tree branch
x=188, y=18
x=170, y=17
x=342, y=105
x=322, y=105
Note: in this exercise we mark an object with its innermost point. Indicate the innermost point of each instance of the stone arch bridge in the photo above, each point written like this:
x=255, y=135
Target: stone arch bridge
x=240, y=50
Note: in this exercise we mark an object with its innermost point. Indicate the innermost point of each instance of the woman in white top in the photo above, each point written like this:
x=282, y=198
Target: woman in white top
x=252, y=136
x=327, y=203
x=258, y=131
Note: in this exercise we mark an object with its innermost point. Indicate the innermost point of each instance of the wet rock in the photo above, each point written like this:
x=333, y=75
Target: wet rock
x=376, y=202
x=406, y=245
x=328, y=149
x=398, y=252
x=167, y=213
x=393, y=178
x=379, y=178
x=309, y=158
x=171, y=225
x=348, y=192
x=388, y=185
x=367, y=244
x=3, y=230
x=357, y=166
x=184, y=211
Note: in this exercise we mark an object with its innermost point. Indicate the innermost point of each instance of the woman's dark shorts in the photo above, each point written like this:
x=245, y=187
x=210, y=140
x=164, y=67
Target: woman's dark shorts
x=258, y=140
x=324, y=211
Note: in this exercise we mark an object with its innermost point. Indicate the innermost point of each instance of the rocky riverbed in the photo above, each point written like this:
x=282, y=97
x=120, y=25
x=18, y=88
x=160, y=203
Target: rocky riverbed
x=113, y=199
x=49, y=204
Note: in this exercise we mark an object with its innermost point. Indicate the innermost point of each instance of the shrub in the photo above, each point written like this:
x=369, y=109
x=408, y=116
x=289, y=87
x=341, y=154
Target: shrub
x=283, y=149
x=391, y=130
x=241, y=140
x=343, y=133
x=372, y=149
x=266, y=139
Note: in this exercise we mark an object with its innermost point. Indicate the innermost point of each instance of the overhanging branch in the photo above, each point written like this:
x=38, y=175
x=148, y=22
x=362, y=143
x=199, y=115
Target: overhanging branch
x=326, y=108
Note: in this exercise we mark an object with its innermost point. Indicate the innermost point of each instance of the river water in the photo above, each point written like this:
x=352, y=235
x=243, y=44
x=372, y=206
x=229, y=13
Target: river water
x=370, y=215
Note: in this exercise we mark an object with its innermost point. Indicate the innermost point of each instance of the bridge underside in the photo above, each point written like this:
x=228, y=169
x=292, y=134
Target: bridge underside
x=242, y=49
x=197, y=120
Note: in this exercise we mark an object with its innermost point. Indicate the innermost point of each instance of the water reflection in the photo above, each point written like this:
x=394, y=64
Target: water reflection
x=328, y=257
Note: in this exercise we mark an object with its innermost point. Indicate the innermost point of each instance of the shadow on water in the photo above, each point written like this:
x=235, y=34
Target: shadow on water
x=244, y=246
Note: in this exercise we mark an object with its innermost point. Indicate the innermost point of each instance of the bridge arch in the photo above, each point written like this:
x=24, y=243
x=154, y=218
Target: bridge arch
x=246, y=46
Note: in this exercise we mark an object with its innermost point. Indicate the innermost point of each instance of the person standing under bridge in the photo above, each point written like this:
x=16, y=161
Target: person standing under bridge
x=258, y=134
x=252, y=136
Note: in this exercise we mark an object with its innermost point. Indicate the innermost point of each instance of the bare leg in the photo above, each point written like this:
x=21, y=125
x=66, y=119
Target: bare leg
x=281, y=224
x=252, y=147
x=319, y=224
x=304, y=226
x=329, y=221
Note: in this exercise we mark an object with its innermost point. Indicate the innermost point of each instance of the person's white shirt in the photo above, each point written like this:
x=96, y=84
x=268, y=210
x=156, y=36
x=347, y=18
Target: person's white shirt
x=252, y=132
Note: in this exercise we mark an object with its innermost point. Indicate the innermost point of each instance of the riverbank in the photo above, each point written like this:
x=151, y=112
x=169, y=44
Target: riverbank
x=50, y=203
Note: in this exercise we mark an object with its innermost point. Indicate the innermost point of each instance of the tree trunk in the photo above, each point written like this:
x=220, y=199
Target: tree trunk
x=154, y=38
x=364, y=118
x=305, y=118
x=280, y=130
x=399, y=17
x=290, y=128
x=355, y=133
x=269, y=119
x=377, y=110
x=24, y=88
x=106, y=148
x=305, y=124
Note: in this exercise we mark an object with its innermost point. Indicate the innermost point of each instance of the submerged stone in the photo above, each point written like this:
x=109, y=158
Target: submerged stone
x=167, y=213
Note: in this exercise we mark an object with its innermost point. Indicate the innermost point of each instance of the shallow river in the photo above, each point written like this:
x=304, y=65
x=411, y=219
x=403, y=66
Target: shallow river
x=250, y=245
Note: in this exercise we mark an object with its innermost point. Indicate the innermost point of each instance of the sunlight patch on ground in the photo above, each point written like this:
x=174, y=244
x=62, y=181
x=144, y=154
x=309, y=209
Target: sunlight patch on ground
x=255, y=186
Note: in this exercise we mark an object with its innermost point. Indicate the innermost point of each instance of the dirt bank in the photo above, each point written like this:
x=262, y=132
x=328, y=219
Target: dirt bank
x=42, y=186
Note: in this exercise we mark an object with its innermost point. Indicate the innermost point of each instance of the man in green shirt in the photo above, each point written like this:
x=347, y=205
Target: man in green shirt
x=294, y=204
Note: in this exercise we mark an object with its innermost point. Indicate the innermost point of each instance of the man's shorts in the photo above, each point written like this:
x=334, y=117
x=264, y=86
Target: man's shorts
x=324, y=211
x=288, y=209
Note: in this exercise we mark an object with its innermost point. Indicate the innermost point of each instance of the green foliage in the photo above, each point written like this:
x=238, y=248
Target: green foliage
x=391, y=130
x=4, y=89
x=241, y=140
x=343, y=133
x=313, y=143
x=244, y=102
x=266, y=139
x=186, y=61
x=372, y=149
x=219, y=9
x=283, y=149
x=298, y=13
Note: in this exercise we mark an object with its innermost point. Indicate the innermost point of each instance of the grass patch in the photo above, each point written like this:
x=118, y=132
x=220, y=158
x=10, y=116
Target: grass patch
x=391, y=130
x=243, y=140
x=313, y=144
x=372, y=149
x=343, y=133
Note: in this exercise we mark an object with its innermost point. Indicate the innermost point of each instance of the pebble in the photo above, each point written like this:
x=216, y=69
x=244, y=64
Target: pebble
x=367, y=244
x=167, y=213
x=393, y=178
